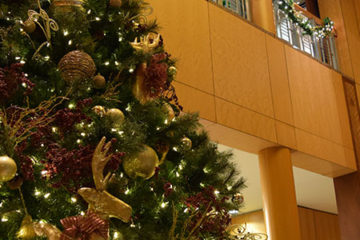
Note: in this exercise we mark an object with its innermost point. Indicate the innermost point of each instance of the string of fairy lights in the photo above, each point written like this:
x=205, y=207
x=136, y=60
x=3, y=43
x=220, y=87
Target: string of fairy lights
x=308, y=27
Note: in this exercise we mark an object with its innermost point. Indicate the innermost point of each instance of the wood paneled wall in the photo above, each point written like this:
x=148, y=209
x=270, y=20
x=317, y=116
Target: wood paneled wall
x=245, y=81
x=314, y=225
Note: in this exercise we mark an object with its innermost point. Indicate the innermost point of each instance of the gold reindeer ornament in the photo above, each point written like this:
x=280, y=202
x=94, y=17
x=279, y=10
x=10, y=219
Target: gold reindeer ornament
x=146, y=44
x=99, y=200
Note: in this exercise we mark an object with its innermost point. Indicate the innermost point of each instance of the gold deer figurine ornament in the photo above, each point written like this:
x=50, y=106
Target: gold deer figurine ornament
x=99, y=200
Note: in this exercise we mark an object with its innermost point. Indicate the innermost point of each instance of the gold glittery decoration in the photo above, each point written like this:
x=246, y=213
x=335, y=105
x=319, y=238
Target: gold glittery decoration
x=46, y=24
x=76, y=65
x=99, y=200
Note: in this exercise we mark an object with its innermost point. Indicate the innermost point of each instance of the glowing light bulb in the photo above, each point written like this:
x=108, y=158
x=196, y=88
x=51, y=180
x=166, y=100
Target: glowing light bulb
x=4, y=219
x=73, y=199
x=66, y=33
x=47, y=195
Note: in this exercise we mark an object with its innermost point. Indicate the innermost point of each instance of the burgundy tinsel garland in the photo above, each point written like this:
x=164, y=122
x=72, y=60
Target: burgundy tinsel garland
x=156, y=75
x=206, y=203
x=66, y=118
x=10, y=79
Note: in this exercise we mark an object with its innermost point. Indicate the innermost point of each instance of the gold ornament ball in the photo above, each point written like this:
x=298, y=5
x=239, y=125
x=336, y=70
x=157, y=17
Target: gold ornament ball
x=99, y=81
x=185, y=144
x=99, y=110
x=172, y=70
x=26, y=230
x=142, y=164
x=29, y=26
x=76, y=65
x=116, y=116
x=170, y=111
x=8, y=168
x=238, y=198
x=115, y=3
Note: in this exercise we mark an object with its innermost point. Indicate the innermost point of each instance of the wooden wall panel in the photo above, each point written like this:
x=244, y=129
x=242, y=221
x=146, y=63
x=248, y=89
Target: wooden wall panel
x=285, y=135
x=194, y=100
x=279, y=80
x=349, y=10
x=327, y=226
x=324, y=149
x=262, y=14
x=307, y=224
x=185, y=28
x=237, y=117
x=347, y=190
x=236, y=139
x=332, y=9
x=318, y=99
x=241, y=72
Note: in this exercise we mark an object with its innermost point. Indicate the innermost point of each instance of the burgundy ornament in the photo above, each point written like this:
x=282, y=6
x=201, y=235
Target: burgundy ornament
x=82, y=227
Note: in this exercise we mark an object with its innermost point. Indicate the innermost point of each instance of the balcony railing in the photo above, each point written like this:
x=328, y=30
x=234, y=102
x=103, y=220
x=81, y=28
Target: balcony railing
x=240, y=7
x=323, y=49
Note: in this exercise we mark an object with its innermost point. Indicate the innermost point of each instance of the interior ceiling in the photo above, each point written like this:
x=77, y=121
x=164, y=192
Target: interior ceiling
x=312, y=190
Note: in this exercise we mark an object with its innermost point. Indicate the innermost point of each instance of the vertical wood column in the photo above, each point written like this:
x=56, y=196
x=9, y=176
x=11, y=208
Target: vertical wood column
x=262, y=14
x=347, y=187
x=279, y=197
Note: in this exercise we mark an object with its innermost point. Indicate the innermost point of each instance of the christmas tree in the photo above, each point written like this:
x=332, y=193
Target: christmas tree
x=93, y=141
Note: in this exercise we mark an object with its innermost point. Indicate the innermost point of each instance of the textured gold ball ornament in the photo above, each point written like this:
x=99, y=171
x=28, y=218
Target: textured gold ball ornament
x=26, y=230
x=29, y=26
x=238, y=198
x=142, y=164
x=99, y=110
x=185, y=144
x=172, y=70
x=8, y=168
x=115, y=3
x=76, y=65
x=99, y=81
x=116, y=116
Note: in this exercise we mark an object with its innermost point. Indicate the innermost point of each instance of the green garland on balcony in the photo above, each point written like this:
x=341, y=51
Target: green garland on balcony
x=287, y=6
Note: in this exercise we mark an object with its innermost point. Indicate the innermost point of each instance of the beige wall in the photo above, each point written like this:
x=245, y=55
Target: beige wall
x=254, y=89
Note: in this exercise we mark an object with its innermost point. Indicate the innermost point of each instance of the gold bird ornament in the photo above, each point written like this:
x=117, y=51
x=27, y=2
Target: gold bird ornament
x=99, y=200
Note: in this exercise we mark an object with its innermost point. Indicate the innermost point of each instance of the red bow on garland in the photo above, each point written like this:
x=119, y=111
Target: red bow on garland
x=81, y=227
